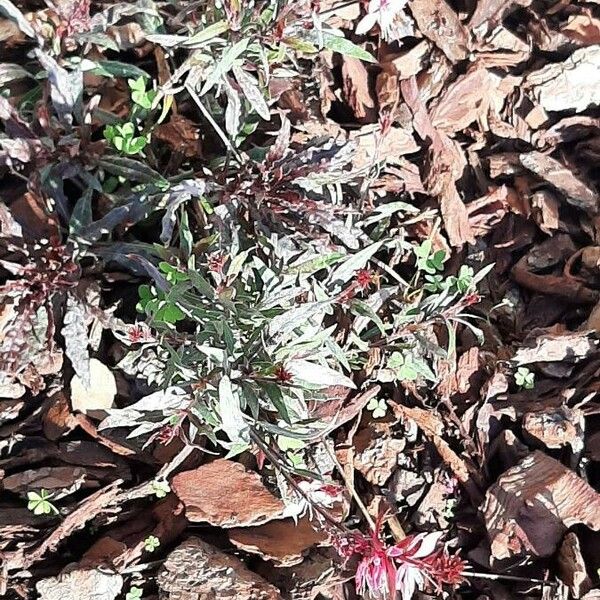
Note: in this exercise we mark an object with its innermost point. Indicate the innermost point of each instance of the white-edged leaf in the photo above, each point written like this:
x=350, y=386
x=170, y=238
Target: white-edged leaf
x=120, y=417
x=252, y=92
x=207, y=34
x=232, y=417
x=344, y=46
x=11, y=72
x=233, y=111
x=75, y=332
x=353, y=263
x=317, y=374
x=66, y=87
x=299, y=315
x=224, y=65
x=14, y=14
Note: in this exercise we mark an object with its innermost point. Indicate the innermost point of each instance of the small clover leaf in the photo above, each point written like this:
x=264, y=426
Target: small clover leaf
x=524, y=378
x=378, y=407
x=151, y=543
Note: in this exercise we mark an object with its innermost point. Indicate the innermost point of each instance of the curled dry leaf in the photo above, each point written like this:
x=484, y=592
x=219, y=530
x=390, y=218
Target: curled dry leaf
x=224, y=494
x=196, y=570
x=531, y=505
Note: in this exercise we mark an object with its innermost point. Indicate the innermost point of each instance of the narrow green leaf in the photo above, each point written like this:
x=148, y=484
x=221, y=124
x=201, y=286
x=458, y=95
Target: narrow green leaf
x=225, y=64
x=252, y=92
x=346, y=47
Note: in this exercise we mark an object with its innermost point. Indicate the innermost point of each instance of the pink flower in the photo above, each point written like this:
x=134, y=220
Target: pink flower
x=404, y=567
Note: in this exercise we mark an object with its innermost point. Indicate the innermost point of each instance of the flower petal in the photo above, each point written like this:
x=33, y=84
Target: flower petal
x=428, y=543
x=367, y=23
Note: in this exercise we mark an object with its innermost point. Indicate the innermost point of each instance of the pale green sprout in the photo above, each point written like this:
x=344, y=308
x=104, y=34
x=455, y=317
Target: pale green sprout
x=378, y=407
x=151, y=543
x=160, y=487
x=39, y=503
x=524, y=378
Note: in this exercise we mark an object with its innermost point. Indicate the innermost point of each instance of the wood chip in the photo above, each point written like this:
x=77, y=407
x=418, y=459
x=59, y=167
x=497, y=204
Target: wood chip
x=102, y=392
x=356, y=89
x=196, y=570
x=571, y=85
x=576, y=192
x=571, y=566
x=223, y=493
x=284, y=542
x=556, y=428
x=79, y=584
x=438, y=22
x=529, y=508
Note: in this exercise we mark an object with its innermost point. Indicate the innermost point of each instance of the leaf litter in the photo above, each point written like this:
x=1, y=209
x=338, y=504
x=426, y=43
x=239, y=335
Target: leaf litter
x=299, y=300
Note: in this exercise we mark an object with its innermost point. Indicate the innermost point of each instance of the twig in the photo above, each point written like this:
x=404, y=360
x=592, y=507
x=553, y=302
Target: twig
x=494, y=576
x=350, y=486
x=215, y=125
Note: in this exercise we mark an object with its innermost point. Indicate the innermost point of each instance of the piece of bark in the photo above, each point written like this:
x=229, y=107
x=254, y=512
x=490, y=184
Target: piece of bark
x=377, y=453
x=445, y=165
x=573, y=84
x=87, y=510
x=569, y=346
x=556, y=428
x=545, y=209
x=433, y=428
x=356, y=89
x=373, y=147
x=284, y=542
x=469, y=99
x=584, y=29
x=491, y=12
x=79, y=584
x=571, y=566
x=500, y=47
x=552, y=171
x=181, y=135
x=196, y=570
x=409, y=63
x=438, y=22
x=225, y=494
x=531, y=505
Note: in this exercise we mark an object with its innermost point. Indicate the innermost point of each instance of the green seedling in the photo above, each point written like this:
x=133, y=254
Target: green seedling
x=39, y=503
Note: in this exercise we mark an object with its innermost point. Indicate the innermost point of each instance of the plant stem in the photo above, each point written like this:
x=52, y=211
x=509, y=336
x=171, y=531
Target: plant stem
x=215, y=125
x=350, y=486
